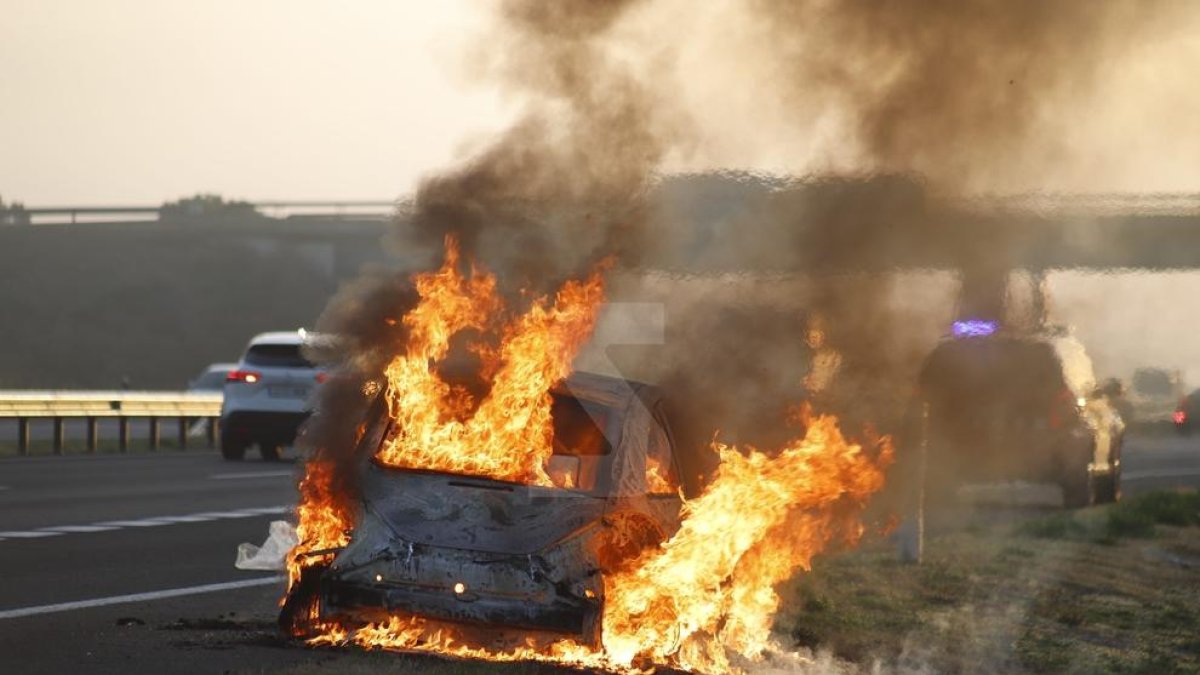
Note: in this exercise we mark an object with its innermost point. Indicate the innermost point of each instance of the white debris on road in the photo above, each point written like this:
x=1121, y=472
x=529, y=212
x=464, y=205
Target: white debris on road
x=272, y=555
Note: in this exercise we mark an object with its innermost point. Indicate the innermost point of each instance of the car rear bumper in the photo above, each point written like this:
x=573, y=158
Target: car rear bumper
x=547, y=612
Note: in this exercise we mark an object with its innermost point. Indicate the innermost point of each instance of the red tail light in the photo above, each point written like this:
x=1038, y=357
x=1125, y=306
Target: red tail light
x=321, y=377
x=1179, y=416
x=247, y=376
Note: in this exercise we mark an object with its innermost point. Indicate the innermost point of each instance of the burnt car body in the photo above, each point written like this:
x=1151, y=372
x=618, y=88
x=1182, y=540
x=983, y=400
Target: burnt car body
x=483, y=552
x=1016, y=406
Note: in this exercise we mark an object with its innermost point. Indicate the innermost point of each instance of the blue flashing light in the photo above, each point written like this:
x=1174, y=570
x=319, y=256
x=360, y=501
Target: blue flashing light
x=973, y=328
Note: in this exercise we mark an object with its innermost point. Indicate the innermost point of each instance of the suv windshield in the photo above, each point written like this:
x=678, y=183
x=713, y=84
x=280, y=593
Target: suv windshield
x=276, y=356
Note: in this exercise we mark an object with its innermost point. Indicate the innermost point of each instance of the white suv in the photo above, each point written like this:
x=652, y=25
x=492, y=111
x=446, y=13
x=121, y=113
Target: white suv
x=269, y=395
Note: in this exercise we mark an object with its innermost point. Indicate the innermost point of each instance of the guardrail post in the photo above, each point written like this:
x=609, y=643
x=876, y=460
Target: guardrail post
x=22, y=435
x=183, y=433
x=211, y=431
x=59, y=434
x=155, y=436
x=93, y=434
x=123, y=433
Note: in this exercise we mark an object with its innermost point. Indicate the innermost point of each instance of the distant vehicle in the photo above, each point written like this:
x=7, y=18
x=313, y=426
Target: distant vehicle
x=268, y=395
x=213, y=377
x=1024, y=406
x=1155, y=395
x=1187, y=413
x=498, y=554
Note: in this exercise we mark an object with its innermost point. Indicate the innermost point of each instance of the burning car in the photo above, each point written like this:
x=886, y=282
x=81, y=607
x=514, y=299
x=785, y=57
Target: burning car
x=473, y=550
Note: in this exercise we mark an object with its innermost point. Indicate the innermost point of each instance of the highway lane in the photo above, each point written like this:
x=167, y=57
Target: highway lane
x=92, y=528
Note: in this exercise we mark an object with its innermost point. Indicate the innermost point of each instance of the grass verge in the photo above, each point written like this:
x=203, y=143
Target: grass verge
x=1113, y=589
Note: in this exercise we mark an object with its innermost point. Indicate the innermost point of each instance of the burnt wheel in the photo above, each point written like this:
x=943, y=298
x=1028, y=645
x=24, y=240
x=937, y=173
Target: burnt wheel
x=300, y=606
x=1106, y=488
x=1077, y=489
x=232, y=449
x=269, y=451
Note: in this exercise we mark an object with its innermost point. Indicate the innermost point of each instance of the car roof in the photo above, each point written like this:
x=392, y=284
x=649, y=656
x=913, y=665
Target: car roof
x=214, y=367
x=611, y=391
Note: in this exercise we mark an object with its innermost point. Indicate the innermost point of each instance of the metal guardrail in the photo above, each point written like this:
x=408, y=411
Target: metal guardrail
x=59, y=406
x=376, y=209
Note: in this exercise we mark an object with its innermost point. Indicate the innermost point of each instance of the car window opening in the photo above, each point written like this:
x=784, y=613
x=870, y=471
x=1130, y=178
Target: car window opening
x=580, y=443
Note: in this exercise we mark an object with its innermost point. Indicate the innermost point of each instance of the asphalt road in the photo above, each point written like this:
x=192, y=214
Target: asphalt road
x=118, y=564
x=95, y=530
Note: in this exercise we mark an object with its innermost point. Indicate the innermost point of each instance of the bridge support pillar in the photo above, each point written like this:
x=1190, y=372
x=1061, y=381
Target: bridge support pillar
x=93, y=434
x=59, y=434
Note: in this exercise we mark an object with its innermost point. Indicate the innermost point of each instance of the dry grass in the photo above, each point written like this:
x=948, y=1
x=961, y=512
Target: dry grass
x=1107, y=590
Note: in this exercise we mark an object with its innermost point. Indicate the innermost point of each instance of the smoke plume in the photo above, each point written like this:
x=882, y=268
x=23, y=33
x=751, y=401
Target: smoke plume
x=889, y=114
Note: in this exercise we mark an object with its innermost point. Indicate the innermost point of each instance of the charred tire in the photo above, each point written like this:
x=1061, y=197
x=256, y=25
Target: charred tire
x=231, y=449
x=1077, y=489
x=268, y=451
x=1106, y=487
x=300, y=605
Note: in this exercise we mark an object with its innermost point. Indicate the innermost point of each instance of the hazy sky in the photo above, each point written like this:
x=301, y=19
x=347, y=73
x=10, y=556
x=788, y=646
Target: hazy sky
x=139, y=101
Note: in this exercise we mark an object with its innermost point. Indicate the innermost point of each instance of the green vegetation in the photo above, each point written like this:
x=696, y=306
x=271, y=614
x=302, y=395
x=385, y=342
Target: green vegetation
x=207, y=208
x=1132, y=518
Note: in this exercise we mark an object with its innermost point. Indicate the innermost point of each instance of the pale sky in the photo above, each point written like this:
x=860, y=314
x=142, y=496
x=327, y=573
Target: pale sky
x=134, y=102
x=130, y=102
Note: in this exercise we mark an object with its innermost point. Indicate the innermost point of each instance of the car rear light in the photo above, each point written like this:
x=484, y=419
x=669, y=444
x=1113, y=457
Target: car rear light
x=1179, y=416
x=321, y=377
x=247, y=376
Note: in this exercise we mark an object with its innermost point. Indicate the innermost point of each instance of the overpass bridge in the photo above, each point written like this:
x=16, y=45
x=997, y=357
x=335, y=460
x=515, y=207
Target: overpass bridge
x=361, y=210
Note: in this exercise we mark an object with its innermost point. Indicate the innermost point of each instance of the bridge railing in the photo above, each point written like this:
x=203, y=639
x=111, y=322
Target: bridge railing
x=57, y=407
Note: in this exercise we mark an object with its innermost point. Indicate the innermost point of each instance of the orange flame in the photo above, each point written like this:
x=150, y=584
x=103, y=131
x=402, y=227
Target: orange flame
x=710, y=588
x=510, y=435
x=324, y=521
x=699, y=601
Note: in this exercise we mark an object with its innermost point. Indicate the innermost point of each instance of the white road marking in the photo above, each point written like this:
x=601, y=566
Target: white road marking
x=28, y=535
x=259, y=474
x=222, y=515
x=109, y=525
x=1164, y=473
x=134, y=523
x=137, y=597
x=267, y=510
x=183, y=519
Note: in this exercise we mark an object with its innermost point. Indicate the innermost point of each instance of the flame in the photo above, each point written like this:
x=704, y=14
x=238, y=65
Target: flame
x=656, y=482
x=704, y=600
x=510, y=435
x=710, y=588
x=324, y=521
